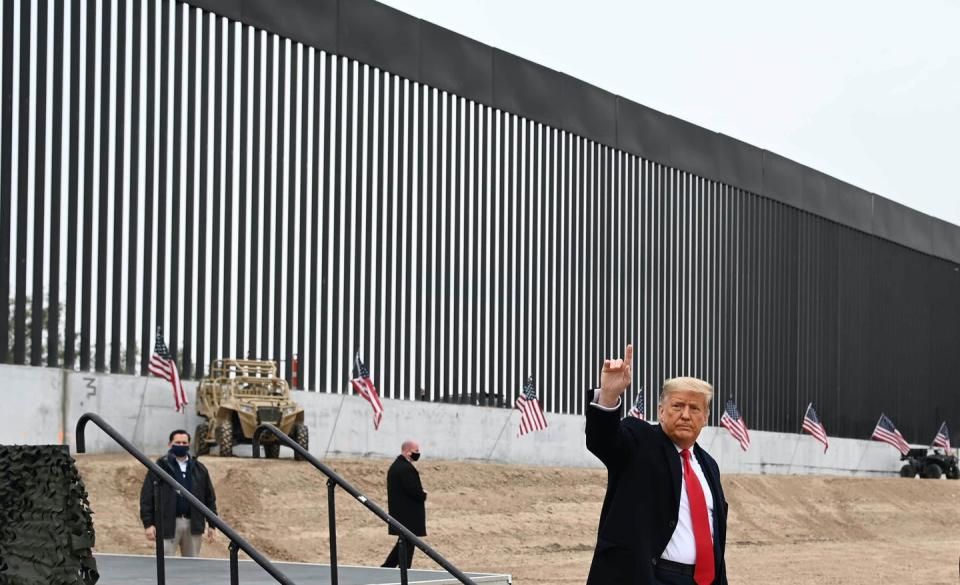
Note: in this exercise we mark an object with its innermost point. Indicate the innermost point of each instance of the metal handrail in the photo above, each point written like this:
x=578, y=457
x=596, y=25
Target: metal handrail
x=333, y=480
x=237, y=542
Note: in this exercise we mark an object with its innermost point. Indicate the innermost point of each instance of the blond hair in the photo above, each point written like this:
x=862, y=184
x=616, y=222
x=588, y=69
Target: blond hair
x=695, y=385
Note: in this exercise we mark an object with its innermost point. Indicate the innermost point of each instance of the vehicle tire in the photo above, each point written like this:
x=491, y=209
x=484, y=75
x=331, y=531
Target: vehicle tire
x=225, y=438
x=908, y=471
x=932, y=471
x=272, y=450
x=302, y=436
x=953, y=473
x=200, y=444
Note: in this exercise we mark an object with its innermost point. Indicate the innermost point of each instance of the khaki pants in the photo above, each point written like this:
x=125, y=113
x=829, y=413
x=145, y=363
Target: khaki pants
x=189, y=543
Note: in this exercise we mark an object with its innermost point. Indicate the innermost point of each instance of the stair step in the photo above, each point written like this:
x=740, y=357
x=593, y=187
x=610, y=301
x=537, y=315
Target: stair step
x=138, y=569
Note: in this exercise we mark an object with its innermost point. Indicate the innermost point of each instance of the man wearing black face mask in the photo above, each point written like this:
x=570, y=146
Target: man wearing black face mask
x=180, y=525
x=405, y=499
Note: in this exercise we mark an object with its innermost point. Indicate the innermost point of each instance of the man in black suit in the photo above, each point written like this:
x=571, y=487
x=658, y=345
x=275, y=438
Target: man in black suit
x=664, y=517
x=405, y=500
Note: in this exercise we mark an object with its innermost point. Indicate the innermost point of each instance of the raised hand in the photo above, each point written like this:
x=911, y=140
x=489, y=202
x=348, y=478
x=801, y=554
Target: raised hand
x=615, y=376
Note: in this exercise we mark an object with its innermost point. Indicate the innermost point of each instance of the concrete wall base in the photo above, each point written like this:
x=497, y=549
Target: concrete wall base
x=43, y=404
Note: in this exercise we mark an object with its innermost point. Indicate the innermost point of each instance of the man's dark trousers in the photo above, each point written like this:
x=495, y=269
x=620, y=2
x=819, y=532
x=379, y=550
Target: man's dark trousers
x=665, y=577
x=393, y=559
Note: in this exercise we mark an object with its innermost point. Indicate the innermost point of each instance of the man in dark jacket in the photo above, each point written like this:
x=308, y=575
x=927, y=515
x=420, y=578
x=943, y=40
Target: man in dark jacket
x=180, y=525
x=405, y=499
x=664, y=516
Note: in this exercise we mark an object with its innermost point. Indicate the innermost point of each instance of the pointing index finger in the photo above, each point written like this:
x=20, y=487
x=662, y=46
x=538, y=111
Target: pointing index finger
x=628, y=356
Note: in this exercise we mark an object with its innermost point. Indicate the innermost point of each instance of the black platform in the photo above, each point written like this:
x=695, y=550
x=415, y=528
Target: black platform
x=135, y=570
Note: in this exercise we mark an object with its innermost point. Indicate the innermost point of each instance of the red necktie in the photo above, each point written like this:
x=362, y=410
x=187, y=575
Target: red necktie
x=704, y=571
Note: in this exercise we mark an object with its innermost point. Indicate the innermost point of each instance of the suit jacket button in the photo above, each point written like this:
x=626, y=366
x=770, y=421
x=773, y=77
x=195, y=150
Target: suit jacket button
x=672, y=524
x=653, y=561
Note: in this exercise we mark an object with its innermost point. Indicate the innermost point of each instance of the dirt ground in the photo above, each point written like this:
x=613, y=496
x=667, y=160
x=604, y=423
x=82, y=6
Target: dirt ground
x=539, y=524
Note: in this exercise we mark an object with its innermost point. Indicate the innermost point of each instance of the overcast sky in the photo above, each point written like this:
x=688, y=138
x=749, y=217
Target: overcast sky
x=868, y=92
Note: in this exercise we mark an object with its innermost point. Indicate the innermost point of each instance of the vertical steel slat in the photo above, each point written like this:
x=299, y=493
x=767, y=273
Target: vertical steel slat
x=57, y=123
x=190, y=198
x=250, y=332
x=289, y=229
x=173, y=321
x=136, y=231
x=203, y=195
x=118, y=195
x=267, y=197
x=281, y=267
x=217, y=223
x=6, y=161
x=39, y=182
x=23, y=198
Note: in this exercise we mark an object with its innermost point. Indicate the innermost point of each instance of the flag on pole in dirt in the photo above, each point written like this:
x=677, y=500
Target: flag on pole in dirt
x=943, y=437
x=812, y=424
x=887, y=432
x=364, y=386
x=639, y=408
x=531, y=415
x=162, y=365
x=733, y=422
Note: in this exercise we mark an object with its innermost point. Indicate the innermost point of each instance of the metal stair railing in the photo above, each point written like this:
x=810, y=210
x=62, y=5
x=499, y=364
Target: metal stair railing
x=237, y=542
x=333, y=480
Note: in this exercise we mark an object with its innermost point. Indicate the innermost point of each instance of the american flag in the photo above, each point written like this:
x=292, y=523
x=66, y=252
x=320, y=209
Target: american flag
x=531, y=415
x=164, y=366
x=364, y=386
x=733, y=422
x=943, y=437
x=639, y=408
x=812, y=424
x=887, y=432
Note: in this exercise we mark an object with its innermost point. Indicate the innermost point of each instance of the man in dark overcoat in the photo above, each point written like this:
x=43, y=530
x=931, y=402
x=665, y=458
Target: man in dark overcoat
x=406, y=500
x=664, y=515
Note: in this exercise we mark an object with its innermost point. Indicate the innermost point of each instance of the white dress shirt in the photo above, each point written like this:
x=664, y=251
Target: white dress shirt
x=682, y=547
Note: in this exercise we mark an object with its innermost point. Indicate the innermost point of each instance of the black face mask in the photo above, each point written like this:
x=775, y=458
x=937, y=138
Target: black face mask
x=180, y=450
x=415, y=456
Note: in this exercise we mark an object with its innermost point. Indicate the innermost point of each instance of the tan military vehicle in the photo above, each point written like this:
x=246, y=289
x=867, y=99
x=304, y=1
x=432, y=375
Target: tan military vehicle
x=238, y=396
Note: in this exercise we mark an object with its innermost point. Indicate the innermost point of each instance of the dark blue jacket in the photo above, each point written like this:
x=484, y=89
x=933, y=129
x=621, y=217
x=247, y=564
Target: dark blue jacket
x=200, y=486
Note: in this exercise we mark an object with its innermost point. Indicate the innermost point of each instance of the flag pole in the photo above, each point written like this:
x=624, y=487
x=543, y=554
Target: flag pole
x=799, y=438
x=333, y=429
x=503, y=428
x=864, y=452
x=143, y=398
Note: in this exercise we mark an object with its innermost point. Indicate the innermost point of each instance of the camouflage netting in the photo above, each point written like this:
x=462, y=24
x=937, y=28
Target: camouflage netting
x=46, y=532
